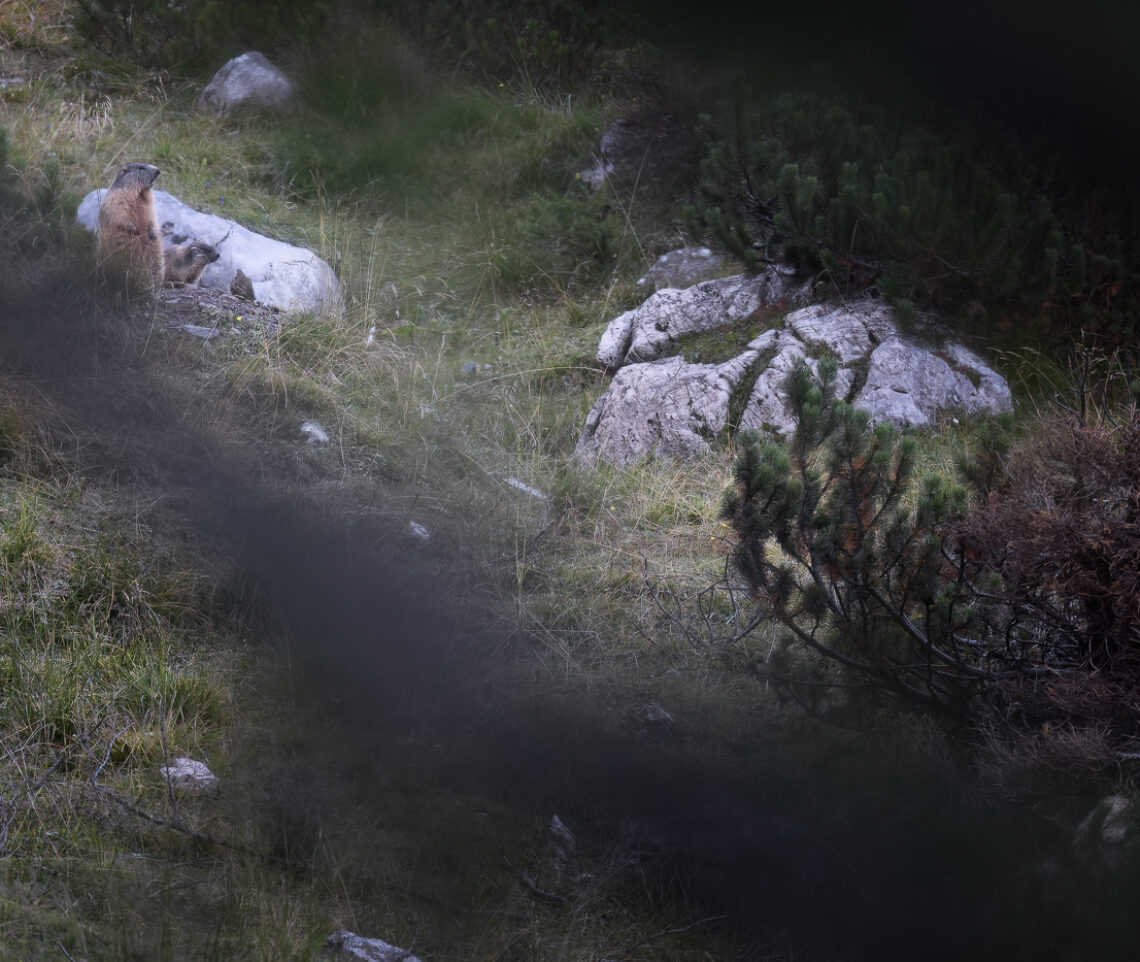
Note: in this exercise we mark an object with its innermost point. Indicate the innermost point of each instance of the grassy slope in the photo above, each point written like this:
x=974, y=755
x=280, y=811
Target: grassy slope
x=461, y=234
x=470, y=241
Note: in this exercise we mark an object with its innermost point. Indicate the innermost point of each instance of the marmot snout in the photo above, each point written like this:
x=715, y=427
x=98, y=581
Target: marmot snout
x=126, y=238
x=184, y=263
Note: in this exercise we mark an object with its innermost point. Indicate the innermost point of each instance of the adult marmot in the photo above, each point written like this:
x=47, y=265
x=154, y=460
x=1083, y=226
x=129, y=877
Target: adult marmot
x=127, y=240
x=184, y=263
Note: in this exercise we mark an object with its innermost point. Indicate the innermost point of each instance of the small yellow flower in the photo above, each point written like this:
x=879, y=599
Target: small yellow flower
x=239, y=317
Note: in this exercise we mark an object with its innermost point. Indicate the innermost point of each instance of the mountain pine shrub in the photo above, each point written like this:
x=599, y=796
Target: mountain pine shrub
x=844, y=193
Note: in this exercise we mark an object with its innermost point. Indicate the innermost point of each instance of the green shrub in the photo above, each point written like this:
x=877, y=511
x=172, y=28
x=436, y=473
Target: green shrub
x=196, y=32
x=932, y=218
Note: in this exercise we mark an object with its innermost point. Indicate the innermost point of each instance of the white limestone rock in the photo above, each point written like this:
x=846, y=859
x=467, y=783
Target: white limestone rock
x=649, y=330
x=672, y=407
x=664, y=408
x=682, y=268
x=248, y=82
x=189, y=776
x=283, y=275
x=910, y=386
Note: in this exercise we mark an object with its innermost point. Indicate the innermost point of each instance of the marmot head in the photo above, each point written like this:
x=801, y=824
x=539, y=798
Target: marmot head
x=139, y=176
x=203, y=253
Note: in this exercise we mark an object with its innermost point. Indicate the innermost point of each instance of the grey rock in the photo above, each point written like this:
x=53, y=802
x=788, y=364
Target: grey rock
x=280, y=274
x=344, y=946
x=248, y=82
x=469, y=368
x=314, y=433
x=189, y=776
x=849, y=331
x=661, y=408
x=418, y=531
x=909, y=385
x=682, y=268
x=649, y=330
x=675, y=408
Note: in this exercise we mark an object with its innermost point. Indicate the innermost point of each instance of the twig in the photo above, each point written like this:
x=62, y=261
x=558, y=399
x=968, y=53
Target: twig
x=70, y=957
x=107, y=757
x=177, y=826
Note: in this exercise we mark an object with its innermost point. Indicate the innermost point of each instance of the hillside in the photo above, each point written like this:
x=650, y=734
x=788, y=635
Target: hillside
x=417, y=653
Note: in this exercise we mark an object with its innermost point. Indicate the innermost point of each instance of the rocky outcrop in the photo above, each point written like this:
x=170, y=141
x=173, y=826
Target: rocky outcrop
x=682, y=268
x=673, y=407
x=248, y=83
x=667, y=407
x=654, y=327
x=282, y=275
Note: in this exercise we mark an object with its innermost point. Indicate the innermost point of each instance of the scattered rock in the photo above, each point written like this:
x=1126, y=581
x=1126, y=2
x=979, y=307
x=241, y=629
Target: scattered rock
x=469, y=368
x=314, y=433
x=418, y=531
x=215, y=310
x=279, y=274
x=189, y=776
x=682, y=268
x=647, y=331
x=349, y=947
x=248, y=82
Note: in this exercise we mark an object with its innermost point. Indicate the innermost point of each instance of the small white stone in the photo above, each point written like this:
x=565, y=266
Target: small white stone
x=187, y=775
x=314, y=433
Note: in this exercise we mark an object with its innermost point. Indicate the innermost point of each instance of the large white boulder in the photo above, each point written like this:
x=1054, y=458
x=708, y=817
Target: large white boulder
x=248, y=82
x=283, y=275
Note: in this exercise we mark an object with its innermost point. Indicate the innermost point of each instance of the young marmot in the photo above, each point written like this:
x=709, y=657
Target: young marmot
x=127, y=241
x=184, y=263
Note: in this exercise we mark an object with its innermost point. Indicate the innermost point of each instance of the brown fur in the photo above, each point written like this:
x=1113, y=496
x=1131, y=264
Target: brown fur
x=127, y=236
x=184, y=263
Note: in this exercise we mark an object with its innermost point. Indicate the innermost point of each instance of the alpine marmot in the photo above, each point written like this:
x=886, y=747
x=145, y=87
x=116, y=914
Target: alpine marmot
x=127, y=239
x=184, y=263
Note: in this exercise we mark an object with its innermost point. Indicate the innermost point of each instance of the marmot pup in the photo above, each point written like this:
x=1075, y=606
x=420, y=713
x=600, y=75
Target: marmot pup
x=184, y=263
x=126, y=237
